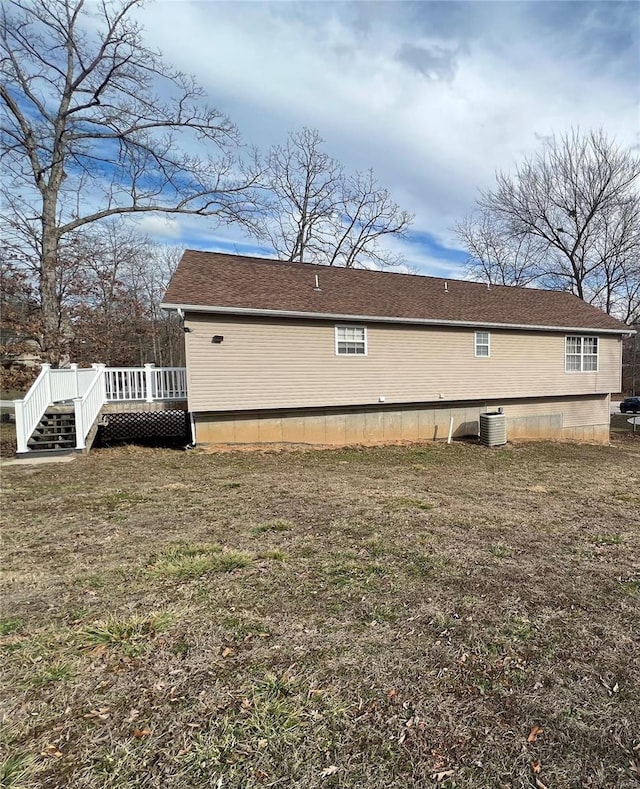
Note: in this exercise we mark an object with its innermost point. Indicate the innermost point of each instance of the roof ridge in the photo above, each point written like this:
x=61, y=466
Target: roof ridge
x=298, y=265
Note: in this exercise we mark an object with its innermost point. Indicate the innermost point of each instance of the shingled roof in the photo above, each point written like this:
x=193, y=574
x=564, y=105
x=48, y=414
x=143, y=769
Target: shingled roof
x=221, y=283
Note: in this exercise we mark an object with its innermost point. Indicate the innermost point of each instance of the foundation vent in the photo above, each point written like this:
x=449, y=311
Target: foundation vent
x=493, y=429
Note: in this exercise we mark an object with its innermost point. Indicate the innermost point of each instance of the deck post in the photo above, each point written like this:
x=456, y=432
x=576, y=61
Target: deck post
x=21, y=438
x=77, y=407
x=103, y=380
x=76, y=390
x=148, y=382
x=46, y=367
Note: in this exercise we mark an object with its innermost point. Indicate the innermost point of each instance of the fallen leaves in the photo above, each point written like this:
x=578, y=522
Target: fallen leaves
x=102, y=713
x=140, y=733
x=331, y=770
x=536, y=767
x=442, y=775
x=534, y=733
x=610, y=687
x=51, y=751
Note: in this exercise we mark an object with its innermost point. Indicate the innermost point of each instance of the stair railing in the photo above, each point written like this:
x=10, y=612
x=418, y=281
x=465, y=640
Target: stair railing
x=30, y=410
x=88, y=406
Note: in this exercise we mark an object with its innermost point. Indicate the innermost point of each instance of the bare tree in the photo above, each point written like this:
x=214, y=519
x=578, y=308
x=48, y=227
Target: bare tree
x=304, y=190
x=96, y=125
x=576, y=208
x=496, y=255
x=147, y=278
x=116, y=318
x=366, y=214
x=316, y=213
x=631, y=361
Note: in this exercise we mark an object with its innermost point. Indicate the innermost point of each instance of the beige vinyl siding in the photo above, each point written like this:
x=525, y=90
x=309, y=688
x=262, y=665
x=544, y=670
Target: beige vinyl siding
x=279, y=363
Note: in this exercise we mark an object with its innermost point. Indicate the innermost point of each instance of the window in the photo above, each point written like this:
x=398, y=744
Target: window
x=482, y=343
x=351, y=341
x=581, y=354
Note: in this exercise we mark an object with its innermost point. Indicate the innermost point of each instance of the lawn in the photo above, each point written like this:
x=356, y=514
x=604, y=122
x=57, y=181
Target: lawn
x=418, y=616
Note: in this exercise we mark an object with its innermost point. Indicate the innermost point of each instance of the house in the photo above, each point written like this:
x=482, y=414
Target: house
x=290, y=352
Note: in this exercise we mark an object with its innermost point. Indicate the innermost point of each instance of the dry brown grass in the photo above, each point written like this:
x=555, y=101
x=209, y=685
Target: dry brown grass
x=349, y=618
x=7, y=439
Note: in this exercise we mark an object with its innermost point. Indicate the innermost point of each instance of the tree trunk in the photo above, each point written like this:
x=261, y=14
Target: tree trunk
x=53, y=342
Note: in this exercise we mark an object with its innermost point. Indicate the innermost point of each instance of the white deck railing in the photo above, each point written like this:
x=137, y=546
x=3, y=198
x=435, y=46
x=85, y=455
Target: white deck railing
x=169, y=383
x=146, y=383
x=90, y=389
x=125, y=383
x=30, y=410
x=88, y=406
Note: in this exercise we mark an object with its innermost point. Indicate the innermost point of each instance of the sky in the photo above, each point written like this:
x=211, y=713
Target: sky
x=434, y=96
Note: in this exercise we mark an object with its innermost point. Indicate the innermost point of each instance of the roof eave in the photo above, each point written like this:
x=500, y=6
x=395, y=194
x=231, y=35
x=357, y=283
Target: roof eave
x=383, y=319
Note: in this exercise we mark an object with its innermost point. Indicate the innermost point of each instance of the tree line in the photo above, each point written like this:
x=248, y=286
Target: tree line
x=97, y=129
x=566, y=219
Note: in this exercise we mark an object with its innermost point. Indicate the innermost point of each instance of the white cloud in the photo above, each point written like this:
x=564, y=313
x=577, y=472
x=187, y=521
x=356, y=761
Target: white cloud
x=493, y=78
x=159, y=226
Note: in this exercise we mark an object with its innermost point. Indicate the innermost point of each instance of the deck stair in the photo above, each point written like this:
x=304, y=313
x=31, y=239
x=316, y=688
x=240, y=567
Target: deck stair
x=55, y=432
x=63, y=408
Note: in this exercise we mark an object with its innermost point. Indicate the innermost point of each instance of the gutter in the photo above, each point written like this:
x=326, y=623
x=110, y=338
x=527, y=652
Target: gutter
x=384, y=319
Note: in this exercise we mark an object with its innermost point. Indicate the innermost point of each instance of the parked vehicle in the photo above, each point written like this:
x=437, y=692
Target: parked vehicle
x=630, y=405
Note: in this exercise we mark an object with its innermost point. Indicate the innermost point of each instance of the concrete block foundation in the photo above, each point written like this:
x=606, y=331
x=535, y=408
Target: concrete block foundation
x=556, y=419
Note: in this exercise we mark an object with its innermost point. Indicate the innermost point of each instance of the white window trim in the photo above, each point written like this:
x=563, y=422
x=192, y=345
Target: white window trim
x=488, y=345
x=582, y=338
x=351, y=326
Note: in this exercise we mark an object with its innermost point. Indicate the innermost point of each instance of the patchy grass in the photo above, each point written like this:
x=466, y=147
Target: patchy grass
x=500, y=551
x=276, y=554
x=182, y=562
x=277, y=524
x=56, y=672
x=132, y=635
x=15, y=771
x=10, y=625
x=385, y=617
x=608, y=539
x=408, y=503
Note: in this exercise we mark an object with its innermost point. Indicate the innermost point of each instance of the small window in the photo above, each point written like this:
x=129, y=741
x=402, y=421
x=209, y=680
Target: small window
x=483, y=343
x=581, y=354
x=351, y=341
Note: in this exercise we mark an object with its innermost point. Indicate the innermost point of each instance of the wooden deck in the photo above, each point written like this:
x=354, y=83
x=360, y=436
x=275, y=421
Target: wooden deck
x=88, y=394
x=137, y=406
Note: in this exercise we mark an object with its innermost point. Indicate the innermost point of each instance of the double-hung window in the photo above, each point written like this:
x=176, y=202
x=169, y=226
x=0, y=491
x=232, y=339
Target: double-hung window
x=351, y=341
x=581, y=354
x=483, y=343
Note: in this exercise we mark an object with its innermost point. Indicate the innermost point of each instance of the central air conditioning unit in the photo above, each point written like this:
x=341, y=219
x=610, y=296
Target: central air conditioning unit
x=493, y=429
